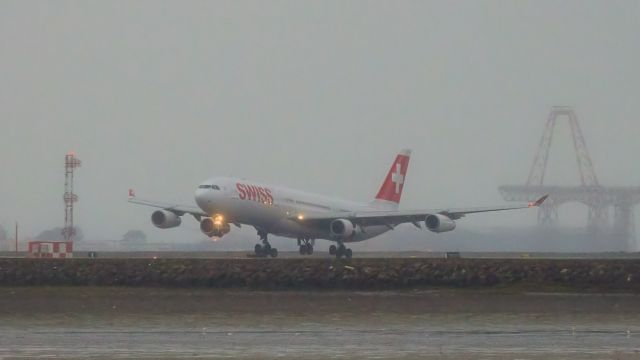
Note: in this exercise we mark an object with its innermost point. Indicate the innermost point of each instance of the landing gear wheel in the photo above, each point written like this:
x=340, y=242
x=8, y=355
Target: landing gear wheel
x=332, y=250
x=306, y=249
x=348, y=254
x=265, y=249
x=305, y=246
x=341, y=251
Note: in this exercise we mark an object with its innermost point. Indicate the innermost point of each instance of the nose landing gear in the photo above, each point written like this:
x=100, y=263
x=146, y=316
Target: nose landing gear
x=265, y=249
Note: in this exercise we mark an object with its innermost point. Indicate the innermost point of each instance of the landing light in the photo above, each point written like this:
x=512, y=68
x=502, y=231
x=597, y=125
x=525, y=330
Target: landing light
x=217, y=220
x=300, y=217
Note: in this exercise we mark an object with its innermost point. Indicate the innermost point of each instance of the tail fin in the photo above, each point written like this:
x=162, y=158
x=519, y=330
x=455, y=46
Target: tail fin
x=391, y=188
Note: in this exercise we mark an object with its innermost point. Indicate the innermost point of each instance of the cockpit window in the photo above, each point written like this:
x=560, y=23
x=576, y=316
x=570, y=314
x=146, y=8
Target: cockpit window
x=206, y=186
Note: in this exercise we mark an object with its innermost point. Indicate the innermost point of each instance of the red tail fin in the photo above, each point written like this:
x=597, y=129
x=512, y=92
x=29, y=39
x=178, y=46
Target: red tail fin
x=391, y=189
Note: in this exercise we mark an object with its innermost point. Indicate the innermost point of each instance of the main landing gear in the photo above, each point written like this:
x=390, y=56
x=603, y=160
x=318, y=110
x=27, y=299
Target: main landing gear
x=306, y=246
x=265, y=249
x=340, y=251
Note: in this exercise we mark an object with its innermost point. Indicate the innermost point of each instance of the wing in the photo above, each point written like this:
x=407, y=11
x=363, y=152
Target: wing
x=174, y=208
x=394, y=217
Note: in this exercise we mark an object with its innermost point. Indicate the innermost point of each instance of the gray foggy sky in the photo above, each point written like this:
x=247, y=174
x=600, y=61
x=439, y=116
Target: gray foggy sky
x=313, y=95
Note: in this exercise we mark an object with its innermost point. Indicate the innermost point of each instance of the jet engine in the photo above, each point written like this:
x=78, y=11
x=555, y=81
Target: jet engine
x=439, y=223
x=214, y=227
x=341, y=229
x=165, y=219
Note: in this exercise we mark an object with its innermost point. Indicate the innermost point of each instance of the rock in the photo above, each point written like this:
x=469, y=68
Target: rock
x=618, y=275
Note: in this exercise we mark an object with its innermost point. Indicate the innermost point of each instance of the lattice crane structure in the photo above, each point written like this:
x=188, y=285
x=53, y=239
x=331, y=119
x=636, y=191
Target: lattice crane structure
x=71, y=162
x=599, y=199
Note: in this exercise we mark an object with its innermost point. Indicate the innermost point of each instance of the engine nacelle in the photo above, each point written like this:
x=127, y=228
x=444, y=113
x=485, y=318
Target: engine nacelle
x=213, y=228
x=439, y=223
x=341, y=229
x=165, y=219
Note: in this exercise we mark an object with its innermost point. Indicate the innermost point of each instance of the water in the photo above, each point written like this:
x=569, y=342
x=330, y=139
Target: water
x=107, y=323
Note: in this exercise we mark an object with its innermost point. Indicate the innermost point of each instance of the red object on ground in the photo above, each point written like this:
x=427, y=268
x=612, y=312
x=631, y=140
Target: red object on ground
x=50, y=249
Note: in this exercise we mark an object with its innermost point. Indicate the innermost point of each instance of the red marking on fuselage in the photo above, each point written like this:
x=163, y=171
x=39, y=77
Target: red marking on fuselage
x=263, y=195
x=254, y=193
x=241, y=191
x=251, y=192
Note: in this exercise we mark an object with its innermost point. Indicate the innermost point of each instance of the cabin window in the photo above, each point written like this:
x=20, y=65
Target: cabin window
x=215, y=187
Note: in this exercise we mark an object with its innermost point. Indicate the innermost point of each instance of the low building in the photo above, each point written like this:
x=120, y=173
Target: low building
x=50, y=249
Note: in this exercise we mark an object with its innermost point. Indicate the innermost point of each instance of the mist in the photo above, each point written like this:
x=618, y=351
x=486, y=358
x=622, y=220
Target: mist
x=318, y=96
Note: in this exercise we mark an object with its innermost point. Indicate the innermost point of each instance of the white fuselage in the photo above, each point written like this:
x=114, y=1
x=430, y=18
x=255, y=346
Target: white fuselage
x=273, y=209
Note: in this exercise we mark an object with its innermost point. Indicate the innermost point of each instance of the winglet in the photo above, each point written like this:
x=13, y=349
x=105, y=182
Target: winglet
x=132, y=194
x=538, y=202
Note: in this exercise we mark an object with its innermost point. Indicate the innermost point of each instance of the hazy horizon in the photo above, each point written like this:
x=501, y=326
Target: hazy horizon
x=318, y=96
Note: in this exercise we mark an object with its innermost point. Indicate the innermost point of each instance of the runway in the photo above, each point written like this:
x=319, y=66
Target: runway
x=107, y=323
x=360, y=254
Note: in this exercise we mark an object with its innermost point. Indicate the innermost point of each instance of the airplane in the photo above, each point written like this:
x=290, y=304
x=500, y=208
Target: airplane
x=304, y=216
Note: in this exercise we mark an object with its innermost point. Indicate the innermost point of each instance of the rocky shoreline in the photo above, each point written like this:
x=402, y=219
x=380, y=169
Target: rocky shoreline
x=617, y=275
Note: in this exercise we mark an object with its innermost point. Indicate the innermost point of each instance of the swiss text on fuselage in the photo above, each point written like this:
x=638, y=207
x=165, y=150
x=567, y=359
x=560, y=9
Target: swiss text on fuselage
x=254, y=193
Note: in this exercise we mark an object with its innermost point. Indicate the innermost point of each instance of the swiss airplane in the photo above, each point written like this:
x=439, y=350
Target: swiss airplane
x=305, y=216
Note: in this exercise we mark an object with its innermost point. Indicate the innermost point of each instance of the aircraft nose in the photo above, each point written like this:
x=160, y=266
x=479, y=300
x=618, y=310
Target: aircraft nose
x=201, y=198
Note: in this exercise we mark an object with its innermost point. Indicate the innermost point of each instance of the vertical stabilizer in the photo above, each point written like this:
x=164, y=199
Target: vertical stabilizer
x=391, y=189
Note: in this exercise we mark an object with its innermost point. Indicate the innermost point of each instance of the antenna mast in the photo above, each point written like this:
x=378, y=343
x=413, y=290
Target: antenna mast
x=71, y=162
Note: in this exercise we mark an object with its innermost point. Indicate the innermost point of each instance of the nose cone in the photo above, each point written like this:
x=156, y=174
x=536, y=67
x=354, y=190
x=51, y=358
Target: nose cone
x=202, y=198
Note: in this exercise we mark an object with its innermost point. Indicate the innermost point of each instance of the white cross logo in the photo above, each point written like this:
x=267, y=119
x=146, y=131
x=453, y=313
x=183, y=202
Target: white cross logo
x=397, y=178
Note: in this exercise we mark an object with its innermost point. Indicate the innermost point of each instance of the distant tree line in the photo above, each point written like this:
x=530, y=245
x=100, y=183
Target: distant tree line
x=55, y=234
x=134, y=237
